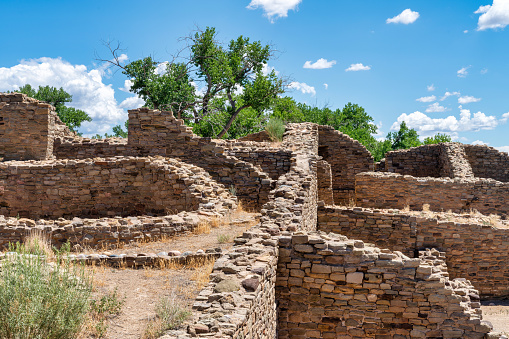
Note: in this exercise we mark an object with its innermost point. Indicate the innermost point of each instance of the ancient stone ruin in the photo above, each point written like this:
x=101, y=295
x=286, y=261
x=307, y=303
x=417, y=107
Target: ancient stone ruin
x=343, y=248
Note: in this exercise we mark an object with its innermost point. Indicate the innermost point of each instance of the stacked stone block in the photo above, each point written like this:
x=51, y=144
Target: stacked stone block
x=488, y=162
x=105, y=187
x=332, y=287
x=347, y=157
x=472, y=251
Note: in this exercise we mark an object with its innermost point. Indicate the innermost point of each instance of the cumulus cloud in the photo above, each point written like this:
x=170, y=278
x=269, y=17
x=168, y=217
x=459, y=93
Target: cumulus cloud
x=303, y=87
x=127, y=86
x=319, y=64
x=406, y=17
x=505, y=117
x=462, y=73
x=468, y=99
x=503, y=149
x=430, y=88
x=493, y=16
x=357, y=67
x=132, y=103
x=427, y=127
x=431, y=98
x=326, y=86
x=480, y=142
x=266, y=69
x=435, y=108
x=274, y=8
x=449, y=94
x=86, y=86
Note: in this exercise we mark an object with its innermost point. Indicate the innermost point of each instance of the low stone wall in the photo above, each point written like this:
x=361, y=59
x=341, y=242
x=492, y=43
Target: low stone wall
x=275, y=162
x=422, y=161
x=339, y=288
x=28, y=128
x=105, y=233
x=347, y=157
x=84, y=148
x=488, y=162
x=105, y=187
x=390, y=190
x=262, y=136
x=472, y=251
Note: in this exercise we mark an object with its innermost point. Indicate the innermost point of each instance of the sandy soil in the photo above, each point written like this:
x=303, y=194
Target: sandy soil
x=497, y=312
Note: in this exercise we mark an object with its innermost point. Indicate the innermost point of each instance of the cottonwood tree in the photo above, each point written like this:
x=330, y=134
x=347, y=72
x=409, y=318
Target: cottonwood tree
x=230, y=78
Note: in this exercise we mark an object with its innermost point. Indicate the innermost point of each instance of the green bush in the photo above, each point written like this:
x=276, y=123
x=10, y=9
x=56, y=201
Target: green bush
x=170, y=314
x=40, y=299
x=275, y=128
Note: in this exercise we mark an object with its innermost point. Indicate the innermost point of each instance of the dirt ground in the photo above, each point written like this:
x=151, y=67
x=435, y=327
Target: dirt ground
x=144, y=288
x=497, y=312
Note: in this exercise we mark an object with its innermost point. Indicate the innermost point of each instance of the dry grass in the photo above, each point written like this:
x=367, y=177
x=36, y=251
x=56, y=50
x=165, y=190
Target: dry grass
x=425, y=207
x=38, y=242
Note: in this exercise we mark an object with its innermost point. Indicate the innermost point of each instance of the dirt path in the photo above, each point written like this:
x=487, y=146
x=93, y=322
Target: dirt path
x=497, y=312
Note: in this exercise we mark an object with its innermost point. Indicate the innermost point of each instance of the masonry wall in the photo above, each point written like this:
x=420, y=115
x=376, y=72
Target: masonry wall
x=104, y=187
x=332, y=287
x=390, y=190
x=488, y=162
x=423, y=161
x=347, y=157
x=27, y=128
x=85, y=148
x=275, y=162
x=475, y=252
x=261, y=136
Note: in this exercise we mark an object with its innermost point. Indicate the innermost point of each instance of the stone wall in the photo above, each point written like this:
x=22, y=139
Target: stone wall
x=332, y=287
x=261, y=136
x=488, y=162
x=347, y=157
x=275, y=162
x=390, y=190
x=422, y=161
x=105, y=187
x=28, y=128
x=472, y=251
x=85, y=148
x=324, y=177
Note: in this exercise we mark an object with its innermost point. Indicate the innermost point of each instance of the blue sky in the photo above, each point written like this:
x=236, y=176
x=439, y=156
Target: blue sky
x=441, y=66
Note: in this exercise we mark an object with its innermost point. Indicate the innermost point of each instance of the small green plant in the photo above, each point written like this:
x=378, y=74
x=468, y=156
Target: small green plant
x=170, y=314
x=232, y=190
x=39, y=300
x=223, y=238
x=107, y=305
x=275, y=128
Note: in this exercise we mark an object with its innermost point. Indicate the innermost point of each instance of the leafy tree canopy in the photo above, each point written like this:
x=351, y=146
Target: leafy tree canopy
x=437, y=138
x=231, y=77
x=70, y=116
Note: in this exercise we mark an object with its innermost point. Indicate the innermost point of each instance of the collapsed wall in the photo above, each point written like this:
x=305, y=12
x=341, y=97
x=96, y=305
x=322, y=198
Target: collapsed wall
x=28, y=128
x=104, y=187
x=390, y=190
x=332, y=287
x=347, y=157
x=472, y=251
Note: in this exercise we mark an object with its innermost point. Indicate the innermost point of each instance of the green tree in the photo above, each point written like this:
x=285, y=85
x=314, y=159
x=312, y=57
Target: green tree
x=70, y=116
x=231, y=76
x=437, y=138
x=404, y=138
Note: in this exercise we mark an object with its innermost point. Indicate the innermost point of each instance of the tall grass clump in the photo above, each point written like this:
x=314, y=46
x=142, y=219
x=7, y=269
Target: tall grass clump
x=39, y=299
x=275, y=128
x=171, y=312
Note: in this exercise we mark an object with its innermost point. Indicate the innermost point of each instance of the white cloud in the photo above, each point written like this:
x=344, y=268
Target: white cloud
x=406, y=17
x=267, y=69
x=326, y=86
x=274, y=8
x=480, y=142
x=435, y=108
x=462, y=73
x=448, y=94
x=161, y=68
x=465, y=31
x=430, y=88
x=484, y=71
x=303, y=87
x=87, y=88
x=505, y=117
x=132, y=103
x=123, y=57
x=426, y=126
x=358, y=67
x=127, y=86
x=431, y=98
x=503, y=149
x=319, y=64
x=493, y=16
x=468, y=99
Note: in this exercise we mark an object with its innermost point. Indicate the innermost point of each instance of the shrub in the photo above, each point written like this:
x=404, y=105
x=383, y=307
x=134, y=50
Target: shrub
x=170, y=314
x=275, y=128
x=39, y=300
